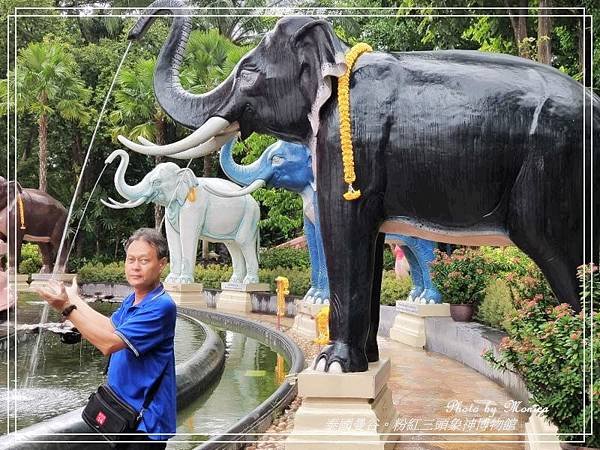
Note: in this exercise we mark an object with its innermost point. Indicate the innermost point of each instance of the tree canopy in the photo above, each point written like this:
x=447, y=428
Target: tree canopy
x=66, y=61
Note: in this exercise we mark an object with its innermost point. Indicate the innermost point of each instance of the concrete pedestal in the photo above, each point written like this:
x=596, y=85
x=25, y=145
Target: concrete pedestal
x=541, y=435
x=22, y=282
x=409, y=325
x=41, y=279
x=190, y=294
x=236, y=297
x=344, y=411
x=304, y=321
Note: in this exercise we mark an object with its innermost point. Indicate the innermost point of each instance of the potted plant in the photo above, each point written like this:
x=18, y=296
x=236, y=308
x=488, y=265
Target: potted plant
x=461, y=278
x=546, y=347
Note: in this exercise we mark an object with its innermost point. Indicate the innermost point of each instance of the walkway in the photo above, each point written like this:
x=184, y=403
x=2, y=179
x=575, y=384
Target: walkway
x=432, y=394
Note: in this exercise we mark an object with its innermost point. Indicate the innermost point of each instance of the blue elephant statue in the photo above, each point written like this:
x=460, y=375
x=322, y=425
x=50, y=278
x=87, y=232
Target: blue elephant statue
x=419, y=254
x=288, y=166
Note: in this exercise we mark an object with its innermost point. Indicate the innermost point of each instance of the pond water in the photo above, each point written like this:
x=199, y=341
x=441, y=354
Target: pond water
x=67, y=374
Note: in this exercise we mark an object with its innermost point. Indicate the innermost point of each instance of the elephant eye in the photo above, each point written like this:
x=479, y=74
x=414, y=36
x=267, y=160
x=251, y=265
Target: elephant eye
x=248, y=77
x=277, y=160
x=155, y=182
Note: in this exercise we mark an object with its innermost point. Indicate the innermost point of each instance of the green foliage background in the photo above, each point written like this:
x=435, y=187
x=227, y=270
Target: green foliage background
x=97, y=43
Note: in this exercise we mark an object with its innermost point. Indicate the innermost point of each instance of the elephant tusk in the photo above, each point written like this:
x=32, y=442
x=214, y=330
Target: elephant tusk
x=145, y=141
x=233, y=128
x=207, y=148
x=211, y=128
x=110, y=205
x=130, y=204
x=256, y=184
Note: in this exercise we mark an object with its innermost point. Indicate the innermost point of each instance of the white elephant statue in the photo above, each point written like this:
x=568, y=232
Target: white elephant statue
x=193, y=213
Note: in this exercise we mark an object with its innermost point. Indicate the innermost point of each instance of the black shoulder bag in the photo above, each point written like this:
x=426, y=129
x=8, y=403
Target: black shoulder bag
x=110, y=415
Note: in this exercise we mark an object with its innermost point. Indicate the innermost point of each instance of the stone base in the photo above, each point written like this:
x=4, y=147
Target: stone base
x=540, y=434
x=234, y=301
x=40, y=280
x=409, y=325
x=344, y=411
x=240, y=287
x=190, y=294
x=304, y=321
x=22, y=282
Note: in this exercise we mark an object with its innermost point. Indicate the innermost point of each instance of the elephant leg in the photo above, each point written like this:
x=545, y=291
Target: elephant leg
x=425, y=255
x=309, y=232
x=350, y=232
x=556, y=245
x=55, y=238
x=237, y=262
x=372, y=349
x=416, y=274
x=251, y=258
x=174, y=243
x=48, y=253
x=14, y=249
x=323, y=277
x=189, y=227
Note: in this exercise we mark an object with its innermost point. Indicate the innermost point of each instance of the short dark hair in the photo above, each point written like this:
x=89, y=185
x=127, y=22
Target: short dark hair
x=152, y=237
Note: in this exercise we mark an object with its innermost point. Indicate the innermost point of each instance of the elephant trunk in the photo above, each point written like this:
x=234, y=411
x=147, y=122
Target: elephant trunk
x=244, y=175
x=190, y=110
x=130, y=192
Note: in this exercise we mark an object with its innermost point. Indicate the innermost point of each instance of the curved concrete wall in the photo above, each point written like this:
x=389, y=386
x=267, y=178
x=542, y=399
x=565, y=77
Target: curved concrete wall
x=259, y=419
x=464, y=342
x=69, y=431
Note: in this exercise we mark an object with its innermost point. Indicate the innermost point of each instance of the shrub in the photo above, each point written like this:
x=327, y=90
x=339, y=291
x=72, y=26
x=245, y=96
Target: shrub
x=31, y=259
x=545, y=346
x=393, y=288
x=461, y=277
x=288, y=258
x=212, y=275
x=505, y=260
x=523, y=276
x=389, y=261
x=497, y=307
x=299, y=279
x=102, y=273
x=530, y=284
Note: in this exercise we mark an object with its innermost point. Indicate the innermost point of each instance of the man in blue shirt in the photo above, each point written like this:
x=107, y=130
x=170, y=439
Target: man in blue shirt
x=138, y=336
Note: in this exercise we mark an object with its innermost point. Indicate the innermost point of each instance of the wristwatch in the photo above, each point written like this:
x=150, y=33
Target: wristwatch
x=68, y=310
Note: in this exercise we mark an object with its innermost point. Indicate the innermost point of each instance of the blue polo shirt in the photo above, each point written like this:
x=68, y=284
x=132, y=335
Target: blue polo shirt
x=148, y=329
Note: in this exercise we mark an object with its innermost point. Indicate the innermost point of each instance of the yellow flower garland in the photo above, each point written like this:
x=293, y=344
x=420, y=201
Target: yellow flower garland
x=345, y=124
x=21, y=211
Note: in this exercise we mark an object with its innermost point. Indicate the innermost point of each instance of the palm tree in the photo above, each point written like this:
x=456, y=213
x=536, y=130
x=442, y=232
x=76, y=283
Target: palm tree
x=48, y=83
x=209, y=59
x=137, y=105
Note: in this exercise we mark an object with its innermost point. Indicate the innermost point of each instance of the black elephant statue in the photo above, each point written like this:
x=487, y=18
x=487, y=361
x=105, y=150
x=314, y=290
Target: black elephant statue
x=461, y=147
x=39, y=219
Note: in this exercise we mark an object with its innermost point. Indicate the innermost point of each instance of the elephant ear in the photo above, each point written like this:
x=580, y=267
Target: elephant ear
x=320, y=48
x=186, y=181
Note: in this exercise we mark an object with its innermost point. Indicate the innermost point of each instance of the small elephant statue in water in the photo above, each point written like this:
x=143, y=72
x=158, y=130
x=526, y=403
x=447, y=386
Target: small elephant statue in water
x=288, y=166
x=193, y=213
x=419, y=253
